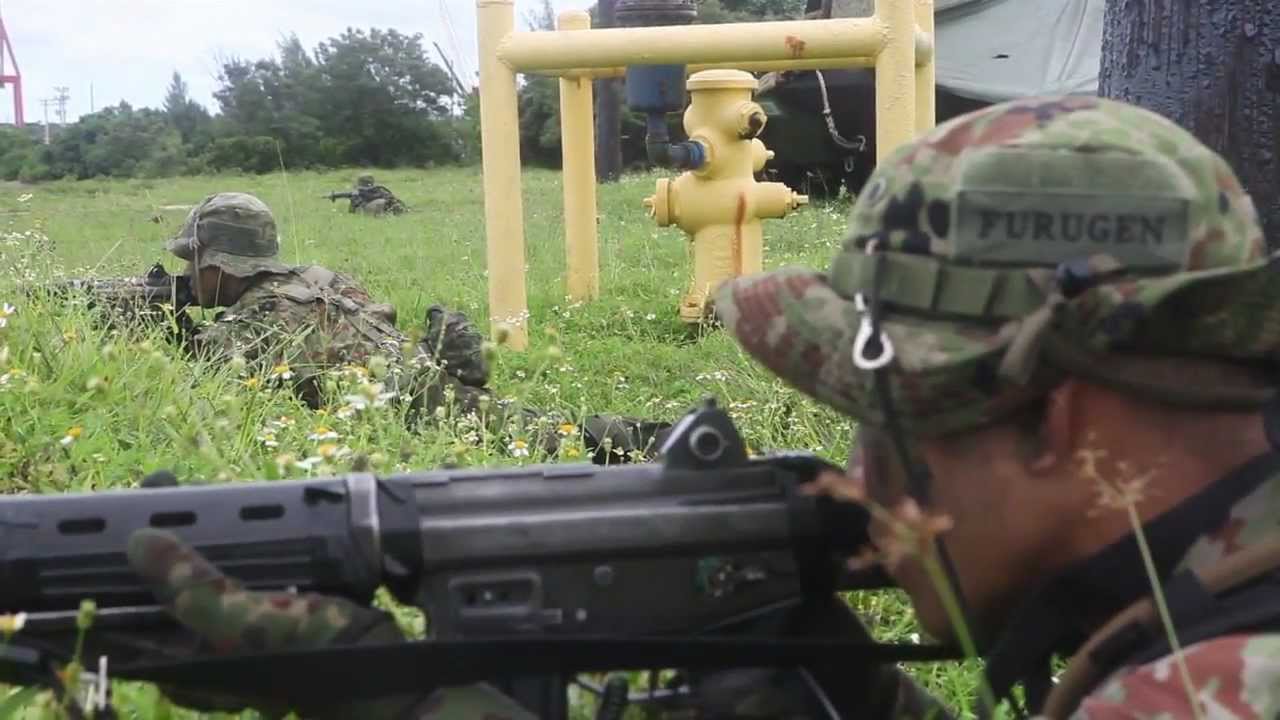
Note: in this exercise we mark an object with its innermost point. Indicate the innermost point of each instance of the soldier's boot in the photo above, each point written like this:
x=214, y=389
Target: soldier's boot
x=606, y=439
x=229, y=618
x=455, y=342
x=614, y=439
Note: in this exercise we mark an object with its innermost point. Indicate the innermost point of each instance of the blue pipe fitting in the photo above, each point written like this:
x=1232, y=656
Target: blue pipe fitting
x=656, y=88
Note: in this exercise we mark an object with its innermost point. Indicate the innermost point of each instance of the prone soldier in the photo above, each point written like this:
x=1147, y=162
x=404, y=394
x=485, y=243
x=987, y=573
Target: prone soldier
x=370, y=198
x=313, y=320
x=1046, y=418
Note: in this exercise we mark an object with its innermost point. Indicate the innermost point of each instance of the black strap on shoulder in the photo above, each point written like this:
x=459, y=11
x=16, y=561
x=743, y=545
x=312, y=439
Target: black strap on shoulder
x=918, y=476
x=1058, y=618
x=1198, y=616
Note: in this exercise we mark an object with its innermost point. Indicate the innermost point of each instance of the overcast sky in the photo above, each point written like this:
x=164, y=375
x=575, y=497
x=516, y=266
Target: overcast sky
x=128, y=49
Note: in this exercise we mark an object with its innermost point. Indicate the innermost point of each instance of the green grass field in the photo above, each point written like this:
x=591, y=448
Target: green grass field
x=80, y=410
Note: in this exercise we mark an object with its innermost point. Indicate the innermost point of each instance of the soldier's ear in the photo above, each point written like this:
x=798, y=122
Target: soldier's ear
x=1057, y=432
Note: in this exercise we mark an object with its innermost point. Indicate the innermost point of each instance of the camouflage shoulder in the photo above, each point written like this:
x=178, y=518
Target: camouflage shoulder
x=349, y=287
x=339, y=282
x=250, y=326
x=1251, y=520
x=1236, y=676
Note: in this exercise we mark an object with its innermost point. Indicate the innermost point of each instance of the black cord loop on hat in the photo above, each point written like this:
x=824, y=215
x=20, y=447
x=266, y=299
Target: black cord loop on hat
x=917, y=473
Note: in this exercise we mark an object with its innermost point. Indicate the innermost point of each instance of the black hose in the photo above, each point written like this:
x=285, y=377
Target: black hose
x=664, y=153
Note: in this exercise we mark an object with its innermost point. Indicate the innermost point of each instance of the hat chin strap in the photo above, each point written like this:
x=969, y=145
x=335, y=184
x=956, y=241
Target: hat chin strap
x=872, y=339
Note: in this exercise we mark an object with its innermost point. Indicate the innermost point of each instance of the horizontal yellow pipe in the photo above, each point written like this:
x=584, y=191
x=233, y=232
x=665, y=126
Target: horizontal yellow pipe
x=617, y=72
x=924, y=55
x=726, y=45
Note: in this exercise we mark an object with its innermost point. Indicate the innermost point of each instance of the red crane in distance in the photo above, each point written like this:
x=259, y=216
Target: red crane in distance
x=10, y=74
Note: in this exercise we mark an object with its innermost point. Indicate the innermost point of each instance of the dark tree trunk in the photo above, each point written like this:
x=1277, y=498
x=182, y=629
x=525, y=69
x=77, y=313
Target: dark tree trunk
x=608, y=112
x=1213, y=67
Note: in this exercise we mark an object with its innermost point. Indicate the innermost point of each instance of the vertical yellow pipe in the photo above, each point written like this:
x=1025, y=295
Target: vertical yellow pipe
x=500, y=157
x=895, y=76
x=926, y=96
x=578, y=175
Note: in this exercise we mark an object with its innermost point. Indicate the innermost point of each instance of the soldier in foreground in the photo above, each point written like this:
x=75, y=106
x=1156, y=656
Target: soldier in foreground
x=313, y=321
x=1054, y=322
x=370, y=198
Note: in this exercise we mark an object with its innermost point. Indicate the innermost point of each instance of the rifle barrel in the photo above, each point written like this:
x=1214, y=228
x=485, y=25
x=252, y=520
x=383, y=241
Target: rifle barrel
x=700, y=540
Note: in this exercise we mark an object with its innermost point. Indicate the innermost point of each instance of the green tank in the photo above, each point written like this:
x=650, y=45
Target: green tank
x=822, y=122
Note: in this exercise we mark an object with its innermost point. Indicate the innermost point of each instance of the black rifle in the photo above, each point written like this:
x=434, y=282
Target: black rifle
x=703, y=561
x=155, y=295
x=342, y=195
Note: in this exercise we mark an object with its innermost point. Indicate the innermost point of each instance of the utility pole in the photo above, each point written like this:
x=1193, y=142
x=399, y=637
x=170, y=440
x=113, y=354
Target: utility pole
x=63, y=95
x=46, y=102
x=92, y=109
x=457, y=82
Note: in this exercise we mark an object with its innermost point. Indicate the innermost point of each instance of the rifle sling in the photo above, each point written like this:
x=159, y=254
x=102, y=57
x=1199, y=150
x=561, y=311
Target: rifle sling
x=326, y=674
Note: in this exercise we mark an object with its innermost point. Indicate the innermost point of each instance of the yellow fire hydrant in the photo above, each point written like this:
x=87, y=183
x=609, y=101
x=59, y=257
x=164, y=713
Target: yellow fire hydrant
x=719, y=204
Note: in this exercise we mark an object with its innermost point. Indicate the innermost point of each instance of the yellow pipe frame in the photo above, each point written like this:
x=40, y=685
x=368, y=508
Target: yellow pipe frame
x=923, y=56
x=777, y=41
x=926, y=114
x=578, y=175
x=897, y=40
x=500, y=164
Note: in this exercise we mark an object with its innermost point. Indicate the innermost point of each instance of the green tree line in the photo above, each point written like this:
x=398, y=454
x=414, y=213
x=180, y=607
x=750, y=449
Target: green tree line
x=363, y=98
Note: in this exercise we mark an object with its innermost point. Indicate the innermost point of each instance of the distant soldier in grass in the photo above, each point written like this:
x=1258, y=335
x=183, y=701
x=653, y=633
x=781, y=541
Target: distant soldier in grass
x=305, y=321
x=370, y=198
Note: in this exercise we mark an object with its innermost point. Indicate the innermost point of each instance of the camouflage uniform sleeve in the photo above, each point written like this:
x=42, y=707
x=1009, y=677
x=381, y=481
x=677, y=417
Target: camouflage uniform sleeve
x=1237, y=676
x=247, y=329
x=230, y=618
x=271, y=332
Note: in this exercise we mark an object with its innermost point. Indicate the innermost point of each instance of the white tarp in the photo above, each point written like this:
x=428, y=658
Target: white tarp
x=995, y=50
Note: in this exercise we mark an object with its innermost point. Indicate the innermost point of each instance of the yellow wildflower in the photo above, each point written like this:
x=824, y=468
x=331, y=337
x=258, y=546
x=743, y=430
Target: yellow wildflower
x=322, y=432
x=10, y=624
x=72, y=435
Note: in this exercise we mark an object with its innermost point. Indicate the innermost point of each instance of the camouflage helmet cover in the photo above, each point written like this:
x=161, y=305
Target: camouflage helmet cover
x=364, y=181
x=234, y=232
x=1013, y=242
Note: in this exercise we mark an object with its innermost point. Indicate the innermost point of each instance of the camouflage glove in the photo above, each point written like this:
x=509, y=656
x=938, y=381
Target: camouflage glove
x=229, y=618
x=453, y=339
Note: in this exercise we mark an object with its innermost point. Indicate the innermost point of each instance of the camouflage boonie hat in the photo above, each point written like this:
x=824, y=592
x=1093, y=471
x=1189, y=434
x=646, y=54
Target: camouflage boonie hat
x=1009, y=247
x=231, y=231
